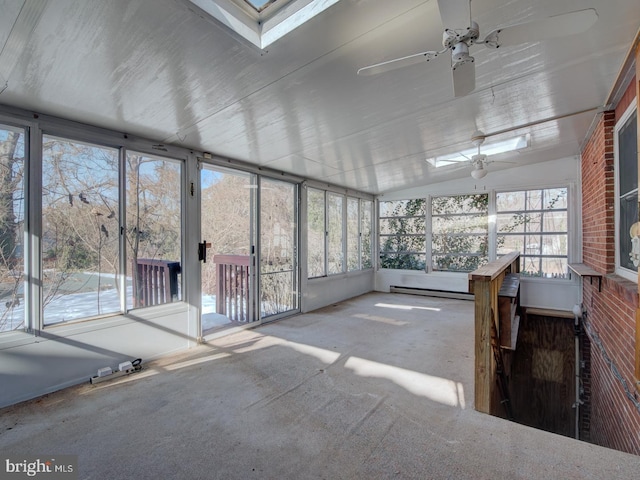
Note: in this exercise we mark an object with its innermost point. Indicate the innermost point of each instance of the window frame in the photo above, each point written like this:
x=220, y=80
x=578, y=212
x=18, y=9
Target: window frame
x=93, y=143
x=492, y=228
x=433, y=215
x=25, y=131
x=541, y=233
x=124, y=252
x=343, y=229
x=35, y=185
x=35, y=127
x=620, y=123
x=363, y=237
x=324, y=232
x=358, y=234
x=425, y=236
x=358, y=222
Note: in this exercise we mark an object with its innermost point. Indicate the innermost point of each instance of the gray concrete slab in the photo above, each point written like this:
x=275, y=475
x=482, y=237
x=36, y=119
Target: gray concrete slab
x=377, y=387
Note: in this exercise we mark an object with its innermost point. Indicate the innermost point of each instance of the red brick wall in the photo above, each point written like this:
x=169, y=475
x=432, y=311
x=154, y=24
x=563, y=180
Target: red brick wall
x=598, y=228
x=585, y=409
x=610, y=321
x=626, y=99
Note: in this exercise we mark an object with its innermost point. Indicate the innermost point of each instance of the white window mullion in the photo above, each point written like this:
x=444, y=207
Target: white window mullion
x=326, y=236
x=493, y=227
x=122, y=215
x=428, y=235
x=33, y=231
x=345, y=258
x=626, y=167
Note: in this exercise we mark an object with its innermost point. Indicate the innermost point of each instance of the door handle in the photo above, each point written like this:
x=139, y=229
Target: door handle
x=202, y=251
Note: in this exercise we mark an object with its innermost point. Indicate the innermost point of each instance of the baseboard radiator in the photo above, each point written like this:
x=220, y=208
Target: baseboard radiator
x=431, y=293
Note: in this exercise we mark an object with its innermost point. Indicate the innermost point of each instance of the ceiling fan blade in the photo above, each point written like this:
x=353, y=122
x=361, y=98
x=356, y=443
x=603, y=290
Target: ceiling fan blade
x=464, y=77
x=557, y=26
x=455, y=13
x=399, y=63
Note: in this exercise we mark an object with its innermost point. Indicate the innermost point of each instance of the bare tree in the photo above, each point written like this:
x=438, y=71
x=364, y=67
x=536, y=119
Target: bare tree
x=11, y=198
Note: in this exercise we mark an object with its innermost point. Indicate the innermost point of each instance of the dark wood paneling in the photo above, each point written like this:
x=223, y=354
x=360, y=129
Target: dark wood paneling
x=542, y=381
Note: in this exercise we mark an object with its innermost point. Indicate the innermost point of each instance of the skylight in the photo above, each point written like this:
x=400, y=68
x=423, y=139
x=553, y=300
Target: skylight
x=262, y=22
x=489, y=149
x=259, y=5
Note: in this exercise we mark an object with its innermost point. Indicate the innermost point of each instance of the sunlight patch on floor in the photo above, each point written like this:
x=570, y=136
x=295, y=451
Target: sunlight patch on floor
x=196, y=361
x=437, y=389
x=376, y=318
x=406, y=307
x=259, y=341
x=324, y=355
x=441, y=390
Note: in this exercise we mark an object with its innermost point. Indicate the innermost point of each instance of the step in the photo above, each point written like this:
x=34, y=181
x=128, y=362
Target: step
x=510, y=286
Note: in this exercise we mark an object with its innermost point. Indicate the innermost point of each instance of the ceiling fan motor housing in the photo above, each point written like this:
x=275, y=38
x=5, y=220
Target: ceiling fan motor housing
x=451, y=38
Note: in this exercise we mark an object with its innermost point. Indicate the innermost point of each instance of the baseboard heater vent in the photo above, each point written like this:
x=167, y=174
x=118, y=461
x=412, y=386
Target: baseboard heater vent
x=432, y=293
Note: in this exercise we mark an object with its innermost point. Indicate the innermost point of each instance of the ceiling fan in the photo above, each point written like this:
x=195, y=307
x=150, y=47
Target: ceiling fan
x=476, y=158
x=465, y=33
x=479, y=160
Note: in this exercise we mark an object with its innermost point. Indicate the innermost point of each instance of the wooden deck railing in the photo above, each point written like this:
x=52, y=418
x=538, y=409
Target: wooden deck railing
x=491, y=330
x=232, y=292
x=155, y=282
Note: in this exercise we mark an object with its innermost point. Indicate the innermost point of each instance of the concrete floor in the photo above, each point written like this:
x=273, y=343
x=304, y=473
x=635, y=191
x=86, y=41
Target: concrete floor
x=377, y=387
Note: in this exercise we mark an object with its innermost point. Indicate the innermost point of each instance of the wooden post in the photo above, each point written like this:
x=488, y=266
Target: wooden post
x=484, y=375
x=485, y=284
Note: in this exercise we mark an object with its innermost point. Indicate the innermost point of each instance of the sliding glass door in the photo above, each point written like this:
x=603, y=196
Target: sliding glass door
x=227, y=248
x=278, y=248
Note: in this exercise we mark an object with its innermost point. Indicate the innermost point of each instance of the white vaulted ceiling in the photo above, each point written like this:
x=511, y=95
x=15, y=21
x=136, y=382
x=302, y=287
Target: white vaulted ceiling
x=162, y=70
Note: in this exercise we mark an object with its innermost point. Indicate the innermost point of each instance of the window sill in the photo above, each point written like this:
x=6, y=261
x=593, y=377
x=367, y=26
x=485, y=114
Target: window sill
x=16, y=339
x=333, y=276
x=623, y=287
x=64, y=330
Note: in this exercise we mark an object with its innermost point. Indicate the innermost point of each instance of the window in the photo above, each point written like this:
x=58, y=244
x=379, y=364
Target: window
x=278, y=246
x=329, y=251
x=315, y=233
x=154, y=230
x=12, y=214
x=535, y=223
x=626, y=150
x=353, y=234
x=260, y=5
x=335, y=213
x=90, y=263
x=460, y=231
x=80, y=230
x=403, y=234
x=366, y=232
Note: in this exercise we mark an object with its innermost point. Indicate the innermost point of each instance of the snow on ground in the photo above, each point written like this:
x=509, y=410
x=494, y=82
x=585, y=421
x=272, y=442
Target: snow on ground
x=86, y=304
x=75, y=306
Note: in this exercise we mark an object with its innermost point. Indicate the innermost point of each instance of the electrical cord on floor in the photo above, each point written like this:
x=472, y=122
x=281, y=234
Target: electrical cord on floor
x=136, y=364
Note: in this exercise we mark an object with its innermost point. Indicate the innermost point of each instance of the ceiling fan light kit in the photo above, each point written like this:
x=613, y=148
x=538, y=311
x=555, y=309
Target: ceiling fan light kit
x=479, y=161
x=479, y=173
x=476, y=158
